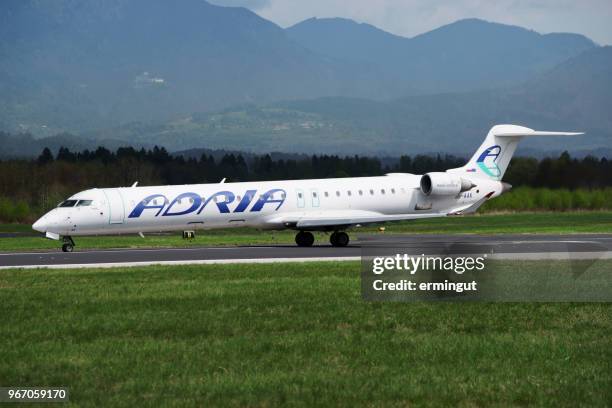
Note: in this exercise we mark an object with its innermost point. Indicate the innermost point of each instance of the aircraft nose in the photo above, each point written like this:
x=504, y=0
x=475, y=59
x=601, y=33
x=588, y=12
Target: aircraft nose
x=41, y=224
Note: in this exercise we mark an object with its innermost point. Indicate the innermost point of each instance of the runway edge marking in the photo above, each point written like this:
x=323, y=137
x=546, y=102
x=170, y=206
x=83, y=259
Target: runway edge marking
x=186, y=262
x=528, y=256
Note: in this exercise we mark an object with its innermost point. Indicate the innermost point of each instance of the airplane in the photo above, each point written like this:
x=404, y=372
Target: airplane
x=332, y=205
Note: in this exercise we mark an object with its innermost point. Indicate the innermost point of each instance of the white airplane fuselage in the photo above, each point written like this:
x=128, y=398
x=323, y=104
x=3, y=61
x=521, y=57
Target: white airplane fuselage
x=334, y=204
x=266, y=204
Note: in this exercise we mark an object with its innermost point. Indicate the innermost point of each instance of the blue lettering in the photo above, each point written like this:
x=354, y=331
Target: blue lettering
x=222, y=205
x=246, y=200
x=196, y=200
x=222, y=199
x=268, y=198
x=144, y=205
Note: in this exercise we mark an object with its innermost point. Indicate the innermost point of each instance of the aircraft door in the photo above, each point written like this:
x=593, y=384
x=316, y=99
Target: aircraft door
x=300, y=198
x=314, y=193
x=116, y=210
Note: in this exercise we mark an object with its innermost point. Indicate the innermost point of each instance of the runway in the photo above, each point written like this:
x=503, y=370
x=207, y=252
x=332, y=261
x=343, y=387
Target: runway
x=530, y=247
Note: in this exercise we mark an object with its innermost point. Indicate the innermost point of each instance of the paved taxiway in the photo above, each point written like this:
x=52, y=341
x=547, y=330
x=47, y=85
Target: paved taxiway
x=595, y=246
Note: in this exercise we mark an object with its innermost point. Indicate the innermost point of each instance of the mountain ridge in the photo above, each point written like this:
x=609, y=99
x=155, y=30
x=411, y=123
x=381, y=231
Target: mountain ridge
x=94, y=64
x=414, y=124
x=465, y=55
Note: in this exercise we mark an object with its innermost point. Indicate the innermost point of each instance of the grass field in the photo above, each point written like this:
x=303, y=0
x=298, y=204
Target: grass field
x=546, y=222
x=295, y=334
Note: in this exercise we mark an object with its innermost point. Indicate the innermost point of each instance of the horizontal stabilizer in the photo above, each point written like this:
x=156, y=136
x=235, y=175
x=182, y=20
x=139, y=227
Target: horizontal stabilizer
x=537, y=133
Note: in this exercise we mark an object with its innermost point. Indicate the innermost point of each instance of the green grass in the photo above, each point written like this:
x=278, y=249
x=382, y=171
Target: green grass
x=530, y=199
x=545, y=222
x=513, y=223
x=16, y=228
x=203, y=238
x=295, y=334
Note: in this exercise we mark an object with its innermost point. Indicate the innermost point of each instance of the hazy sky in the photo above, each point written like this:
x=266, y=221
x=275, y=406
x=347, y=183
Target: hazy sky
x=592, y=18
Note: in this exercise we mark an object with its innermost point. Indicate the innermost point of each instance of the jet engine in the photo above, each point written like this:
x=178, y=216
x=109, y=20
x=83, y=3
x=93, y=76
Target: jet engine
x=439, y=183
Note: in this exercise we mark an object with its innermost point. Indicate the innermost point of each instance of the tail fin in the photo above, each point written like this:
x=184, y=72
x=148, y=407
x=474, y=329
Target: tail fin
x=493, y=156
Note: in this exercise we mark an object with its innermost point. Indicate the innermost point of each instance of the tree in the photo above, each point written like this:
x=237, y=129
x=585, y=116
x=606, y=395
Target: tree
x=45, y=157
x=64, y=154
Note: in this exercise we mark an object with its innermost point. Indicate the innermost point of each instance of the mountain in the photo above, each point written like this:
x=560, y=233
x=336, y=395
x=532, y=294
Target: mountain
x=575, y=95
x=93, y=63
x=578, y=91
x=78, y=66
x=349, y=40
x=466, y=55
x=572, y=96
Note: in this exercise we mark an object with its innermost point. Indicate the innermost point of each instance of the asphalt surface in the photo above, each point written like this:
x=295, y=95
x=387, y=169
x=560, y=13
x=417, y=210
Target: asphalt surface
x=582, y=246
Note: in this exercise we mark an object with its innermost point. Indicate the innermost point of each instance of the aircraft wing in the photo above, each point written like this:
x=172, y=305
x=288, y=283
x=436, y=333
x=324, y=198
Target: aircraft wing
x=348, y=218
x=471, y=209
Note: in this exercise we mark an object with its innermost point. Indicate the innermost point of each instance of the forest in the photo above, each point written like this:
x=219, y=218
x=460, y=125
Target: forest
x=30, y=187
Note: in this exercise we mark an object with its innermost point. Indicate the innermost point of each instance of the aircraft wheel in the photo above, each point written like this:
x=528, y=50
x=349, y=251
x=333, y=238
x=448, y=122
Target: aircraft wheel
x=304, y=239
x=339, y=239
x=68, y=244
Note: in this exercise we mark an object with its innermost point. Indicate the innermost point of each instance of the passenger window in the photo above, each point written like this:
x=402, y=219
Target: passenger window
x=348, y=193
x=382, y=191
x=393, y=191
x=314, y=194
x=190, y=200
x=299, y=195
x=283, y=196
x=371, y=192
x=360, y=192
x=238, y=198
x=326, y=194
x=338, y=193
x=84, y=203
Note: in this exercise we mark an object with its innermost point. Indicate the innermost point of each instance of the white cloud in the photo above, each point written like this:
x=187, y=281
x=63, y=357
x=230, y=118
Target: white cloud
x=411, y=17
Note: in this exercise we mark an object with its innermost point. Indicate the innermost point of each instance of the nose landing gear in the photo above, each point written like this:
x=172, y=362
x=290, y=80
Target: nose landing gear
x=68, y=245
x=339, y=239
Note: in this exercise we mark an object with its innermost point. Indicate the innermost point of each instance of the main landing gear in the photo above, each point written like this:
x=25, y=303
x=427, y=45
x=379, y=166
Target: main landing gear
x=337, y=239
x=68, y=245
x=304, y=239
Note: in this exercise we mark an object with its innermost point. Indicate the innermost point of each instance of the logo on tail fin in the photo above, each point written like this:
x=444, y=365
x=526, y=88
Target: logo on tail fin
x=488, y=161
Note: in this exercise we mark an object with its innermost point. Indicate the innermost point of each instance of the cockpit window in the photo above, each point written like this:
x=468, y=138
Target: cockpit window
x=68, y=203
x=84, y=203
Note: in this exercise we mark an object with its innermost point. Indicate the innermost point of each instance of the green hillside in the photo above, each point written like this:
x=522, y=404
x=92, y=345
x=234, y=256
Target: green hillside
x=573, y=96
x=105, y=63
